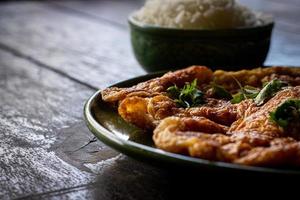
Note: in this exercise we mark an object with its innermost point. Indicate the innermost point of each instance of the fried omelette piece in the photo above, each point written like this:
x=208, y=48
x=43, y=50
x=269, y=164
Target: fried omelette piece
x=281, y=151
x=257, y=128
x=221, y=111
x=159, y=85
x=256, y=77
x=252, y=140
x=195, y=136
x=173, y=134
x=147, y=113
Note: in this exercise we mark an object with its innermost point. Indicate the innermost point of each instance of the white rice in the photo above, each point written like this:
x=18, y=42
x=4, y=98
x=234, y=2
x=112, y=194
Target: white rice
x=196, y=14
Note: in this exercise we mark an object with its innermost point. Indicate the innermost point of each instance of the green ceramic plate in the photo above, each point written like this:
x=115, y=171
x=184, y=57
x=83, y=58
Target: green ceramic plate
x=110, y=128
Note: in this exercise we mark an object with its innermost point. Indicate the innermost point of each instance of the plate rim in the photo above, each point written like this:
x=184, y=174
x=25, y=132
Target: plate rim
x=129, y=148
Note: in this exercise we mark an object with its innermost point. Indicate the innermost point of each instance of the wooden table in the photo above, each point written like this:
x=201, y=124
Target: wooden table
x=53, y=56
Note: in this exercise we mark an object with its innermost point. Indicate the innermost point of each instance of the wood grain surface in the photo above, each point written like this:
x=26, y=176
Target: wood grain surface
x=53, y=56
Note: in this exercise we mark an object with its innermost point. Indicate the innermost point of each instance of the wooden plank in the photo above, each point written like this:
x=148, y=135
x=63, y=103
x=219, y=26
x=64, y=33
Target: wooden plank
x=283, y=11
x=290, y=2
x=182, y=184
x=122, y=179
x=35, y=107
x=285, y=46
x=115, y=11
x=41, y=132
x=285, y=49
x=88, y=50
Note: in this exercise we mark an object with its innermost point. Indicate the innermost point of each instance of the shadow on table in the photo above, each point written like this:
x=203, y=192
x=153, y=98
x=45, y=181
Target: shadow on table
x=128, y=179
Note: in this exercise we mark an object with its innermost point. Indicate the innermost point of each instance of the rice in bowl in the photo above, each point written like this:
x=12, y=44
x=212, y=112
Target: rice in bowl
x=197, y=14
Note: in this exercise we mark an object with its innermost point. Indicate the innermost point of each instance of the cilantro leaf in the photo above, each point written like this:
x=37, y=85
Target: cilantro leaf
x=188, y=96
x=287, y=112
x=259, y=96
x=246, y=92
x=269, y=90
x=237, y=98
x=220, y=92
x=173, y=91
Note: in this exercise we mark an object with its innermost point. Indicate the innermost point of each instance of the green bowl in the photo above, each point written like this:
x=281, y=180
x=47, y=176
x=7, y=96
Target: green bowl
x=160, y=48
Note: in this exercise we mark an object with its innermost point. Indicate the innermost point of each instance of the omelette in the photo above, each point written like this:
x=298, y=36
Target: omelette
x=248, y=117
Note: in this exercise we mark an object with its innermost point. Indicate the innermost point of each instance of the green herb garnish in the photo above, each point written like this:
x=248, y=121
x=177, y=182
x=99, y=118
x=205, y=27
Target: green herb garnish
x=246, y=92
x=259, y=96
x=188, y=96
x=269, y=90
x=220, y=92
x=237, y=98
x=287, y=112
